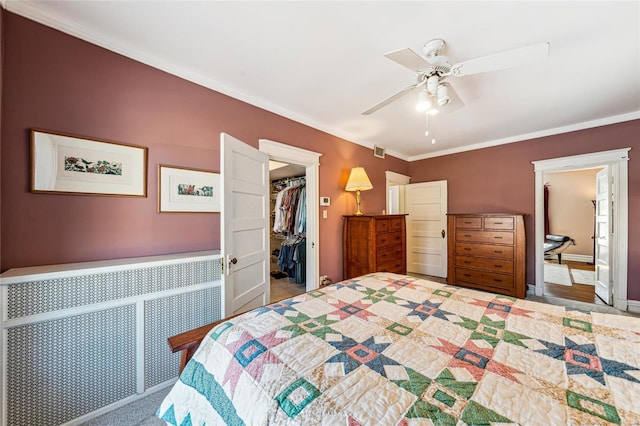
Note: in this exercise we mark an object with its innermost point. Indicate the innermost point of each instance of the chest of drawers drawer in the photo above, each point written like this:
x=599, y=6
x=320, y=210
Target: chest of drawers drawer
x=382, y=225
x=389, y=253
x=388, y=238
x=469, y=223
x=485, y=250
x=396, y=266
x=396, y=223
x=505, y=223
x=485, y=278
x=487, y=264
x=496, y=237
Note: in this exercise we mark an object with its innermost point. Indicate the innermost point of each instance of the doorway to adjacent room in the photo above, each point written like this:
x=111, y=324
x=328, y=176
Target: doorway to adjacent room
x=570, y=229
x=611, y=234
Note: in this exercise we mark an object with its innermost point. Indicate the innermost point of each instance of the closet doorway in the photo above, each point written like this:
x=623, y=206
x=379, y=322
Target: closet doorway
x=293, y=168
x=288, y=230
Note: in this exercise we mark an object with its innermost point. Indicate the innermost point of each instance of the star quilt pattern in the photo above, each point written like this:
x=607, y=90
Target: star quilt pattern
x=387, y=349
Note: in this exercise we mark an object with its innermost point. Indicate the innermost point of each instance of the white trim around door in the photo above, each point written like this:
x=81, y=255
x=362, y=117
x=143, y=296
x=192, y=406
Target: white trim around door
x=618, y=160
x=311, y=161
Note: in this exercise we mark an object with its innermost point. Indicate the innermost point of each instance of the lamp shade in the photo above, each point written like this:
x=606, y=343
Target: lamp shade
x=358, y=180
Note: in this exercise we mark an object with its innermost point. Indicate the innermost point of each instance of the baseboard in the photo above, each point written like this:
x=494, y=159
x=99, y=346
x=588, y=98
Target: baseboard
x=633, y=306
x=577, y=257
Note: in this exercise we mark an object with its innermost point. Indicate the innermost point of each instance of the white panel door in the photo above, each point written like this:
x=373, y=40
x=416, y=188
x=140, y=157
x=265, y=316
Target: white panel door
x=426, y=206
x=245, y=225
x=603, y=235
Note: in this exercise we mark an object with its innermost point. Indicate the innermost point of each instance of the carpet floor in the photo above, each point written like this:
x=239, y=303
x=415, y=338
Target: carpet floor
x=137, y=413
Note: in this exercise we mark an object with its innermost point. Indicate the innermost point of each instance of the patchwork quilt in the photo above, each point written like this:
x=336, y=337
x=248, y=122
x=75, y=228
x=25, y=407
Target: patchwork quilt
x=387, y=349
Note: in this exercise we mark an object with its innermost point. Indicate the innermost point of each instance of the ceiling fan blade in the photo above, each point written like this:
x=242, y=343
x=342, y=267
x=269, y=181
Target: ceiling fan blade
x=507, y=59
x=390, y=99
x=454, y=104
x=409, y=59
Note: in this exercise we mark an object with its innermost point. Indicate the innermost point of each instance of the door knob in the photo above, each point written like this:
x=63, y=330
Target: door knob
x=442, y=233
x=234, y=261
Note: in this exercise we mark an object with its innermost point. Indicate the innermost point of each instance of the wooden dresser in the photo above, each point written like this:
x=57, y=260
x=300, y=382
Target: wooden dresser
x=487, y=251
x=374, y=244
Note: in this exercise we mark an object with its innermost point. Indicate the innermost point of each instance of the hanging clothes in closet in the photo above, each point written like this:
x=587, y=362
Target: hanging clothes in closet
x=290, y=210
x=290, y=221
x=293, y=259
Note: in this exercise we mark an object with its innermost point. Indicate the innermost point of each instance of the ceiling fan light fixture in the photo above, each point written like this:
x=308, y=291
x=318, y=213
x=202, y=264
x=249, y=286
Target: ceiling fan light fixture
x=443, y=95
x=432, y=84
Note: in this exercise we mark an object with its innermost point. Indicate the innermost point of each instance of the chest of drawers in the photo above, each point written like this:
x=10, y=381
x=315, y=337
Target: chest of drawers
x=487, y=251
x=375, y=243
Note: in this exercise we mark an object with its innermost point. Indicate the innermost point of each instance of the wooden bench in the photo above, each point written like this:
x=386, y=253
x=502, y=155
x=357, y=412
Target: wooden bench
x=188, y=342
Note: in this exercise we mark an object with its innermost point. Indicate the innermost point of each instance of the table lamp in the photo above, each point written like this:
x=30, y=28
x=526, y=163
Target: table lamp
x=358, y=181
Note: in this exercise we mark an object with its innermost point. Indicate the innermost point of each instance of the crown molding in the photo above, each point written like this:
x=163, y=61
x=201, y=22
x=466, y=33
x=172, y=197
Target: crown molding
x=31, y=12
x=540, y=134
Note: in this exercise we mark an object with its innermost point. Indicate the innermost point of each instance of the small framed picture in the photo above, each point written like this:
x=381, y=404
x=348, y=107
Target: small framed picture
x=185, y=190
x=69, y=164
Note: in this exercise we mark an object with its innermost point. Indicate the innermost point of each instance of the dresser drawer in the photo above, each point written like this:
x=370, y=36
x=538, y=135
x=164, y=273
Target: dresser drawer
x=396, y=266
x=485, y=236
x=485, y=278
x=486, y=250
x=493, y=222
x=388, y=253
x=382, y=225
x=497, y=265
x=395, y=223
x=388, y=238
x=469, y=222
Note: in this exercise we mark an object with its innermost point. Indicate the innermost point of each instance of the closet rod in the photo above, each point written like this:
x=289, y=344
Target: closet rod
x=287, y=180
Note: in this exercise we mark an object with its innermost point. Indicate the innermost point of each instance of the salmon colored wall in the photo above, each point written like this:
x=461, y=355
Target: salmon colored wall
x=57, y=82
x=571, y=211
x=501, y=179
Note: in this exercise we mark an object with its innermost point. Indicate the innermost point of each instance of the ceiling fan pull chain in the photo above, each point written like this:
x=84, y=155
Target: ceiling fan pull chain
x=426, y=124
x=430, y=129
x=433, y=131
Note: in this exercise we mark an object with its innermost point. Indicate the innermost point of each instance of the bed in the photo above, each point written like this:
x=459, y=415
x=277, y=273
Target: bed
x=387, y=349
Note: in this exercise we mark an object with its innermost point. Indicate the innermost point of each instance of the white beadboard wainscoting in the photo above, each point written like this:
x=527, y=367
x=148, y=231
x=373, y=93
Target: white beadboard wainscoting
x=81, y=339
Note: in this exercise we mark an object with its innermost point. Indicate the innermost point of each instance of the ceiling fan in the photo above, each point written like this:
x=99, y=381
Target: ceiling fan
x=433, y=68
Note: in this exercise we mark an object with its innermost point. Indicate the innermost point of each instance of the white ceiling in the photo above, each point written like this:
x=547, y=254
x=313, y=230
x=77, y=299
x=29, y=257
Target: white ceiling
x=321, y=63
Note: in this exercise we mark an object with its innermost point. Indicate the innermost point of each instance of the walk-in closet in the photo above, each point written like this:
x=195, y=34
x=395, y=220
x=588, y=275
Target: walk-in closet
x=288, y=230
